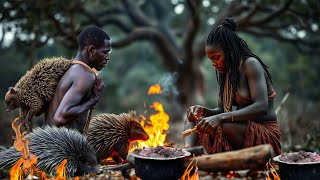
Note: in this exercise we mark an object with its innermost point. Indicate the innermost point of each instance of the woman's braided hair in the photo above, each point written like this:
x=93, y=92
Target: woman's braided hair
x=235, y=49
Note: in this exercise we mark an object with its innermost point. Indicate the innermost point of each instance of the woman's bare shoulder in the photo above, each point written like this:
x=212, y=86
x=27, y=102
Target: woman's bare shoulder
x=252, y=65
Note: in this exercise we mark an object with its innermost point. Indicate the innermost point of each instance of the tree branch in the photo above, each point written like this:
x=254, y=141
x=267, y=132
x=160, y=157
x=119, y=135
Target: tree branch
x=135, y=14
x=191, y=30
x=275, y=14
x=277, y=36
x=170, y=57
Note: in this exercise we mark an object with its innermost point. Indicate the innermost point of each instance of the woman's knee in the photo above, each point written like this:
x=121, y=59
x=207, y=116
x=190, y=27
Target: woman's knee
x=233, y=130
x=234, y=133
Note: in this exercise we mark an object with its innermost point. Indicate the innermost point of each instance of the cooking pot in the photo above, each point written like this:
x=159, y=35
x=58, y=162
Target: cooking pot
x=151, y=168
x=298, y=171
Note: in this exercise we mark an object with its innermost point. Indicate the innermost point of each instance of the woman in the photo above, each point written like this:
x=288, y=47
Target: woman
x=246, y=83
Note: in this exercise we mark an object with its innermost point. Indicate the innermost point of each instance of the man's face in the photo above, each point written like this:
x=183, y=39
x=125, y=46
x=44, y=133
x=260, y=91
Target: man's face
x=101, y=55
x=217, y=58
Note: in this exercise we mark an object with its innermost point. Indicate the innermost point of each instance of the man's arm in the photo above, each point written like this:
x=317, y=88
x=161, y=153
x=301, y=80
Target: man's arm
x=71, y=106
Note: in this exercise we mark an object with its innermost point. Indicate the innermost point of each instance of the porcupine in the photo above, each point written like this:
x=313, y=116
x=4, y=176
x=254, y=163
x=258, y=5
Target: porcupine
x=36, y=88
x=51, y=145
x=111, y=134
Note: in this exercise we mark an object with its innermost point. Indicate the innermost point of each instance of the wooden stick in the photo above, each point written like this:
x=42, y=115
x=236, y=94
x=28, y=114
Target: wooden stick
x=284, y=99
x=119, y=167
x=86, y=126
x=189, y=131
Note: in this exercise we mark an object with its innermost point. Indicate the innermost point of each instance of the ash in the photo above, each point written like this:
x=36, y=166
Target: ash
x=159, y=152
x=300, y=157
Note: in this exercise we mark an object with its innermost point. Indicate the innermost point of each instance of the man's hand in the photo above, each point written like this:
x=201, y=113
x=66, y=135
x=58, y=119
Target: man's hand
x=98, y=89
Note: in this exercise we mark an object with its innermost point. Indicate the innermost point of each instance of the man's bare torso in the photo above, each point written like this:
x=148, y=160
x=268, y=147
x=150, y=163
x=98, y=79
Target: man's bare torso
x=64, y=85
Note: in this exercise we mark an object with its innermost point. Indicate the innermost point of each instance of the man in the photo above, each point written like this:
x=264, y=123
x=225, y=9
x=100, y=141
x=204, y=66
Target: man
x=80, y=88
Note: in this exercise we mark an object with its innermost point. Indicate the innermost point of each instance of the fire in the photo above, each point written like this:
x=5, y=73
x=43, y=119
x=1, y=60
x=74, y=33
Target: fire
x=187, y=172
x=61, y=171
x=16, y=171
x=272, y=170
x=155, y=89
x=26, y=165
x=157, y=123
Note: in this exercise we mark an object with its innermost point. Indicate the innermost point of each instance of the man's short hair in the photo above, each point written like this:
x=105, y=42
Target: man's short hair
x=92, y=35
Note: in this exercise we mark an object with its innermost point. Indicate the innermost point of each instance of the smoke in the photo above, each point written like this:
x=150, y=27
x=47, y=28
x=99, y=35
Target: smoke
x=167, y=83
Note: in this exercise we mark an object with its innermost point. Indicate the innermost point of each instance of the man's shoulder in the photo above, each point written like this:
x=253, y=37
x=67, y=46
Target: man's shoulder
x=78, y=71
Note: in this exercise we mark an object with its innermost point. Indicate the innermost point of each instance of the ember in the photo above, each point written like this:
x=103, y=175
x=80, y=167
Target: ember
x=159, y=152
x=300, y=157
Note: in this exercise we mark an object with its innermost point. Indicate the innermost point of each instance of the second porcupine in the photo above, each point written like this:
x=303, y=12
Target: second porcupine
x=51, y=145
x=111, y=134
x=36, y=88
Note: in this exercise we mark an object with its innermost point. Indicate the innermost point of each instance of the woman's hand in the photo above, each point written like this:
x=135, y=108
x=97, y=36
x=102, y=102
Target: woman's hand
x=208, y=124
x=196, y=111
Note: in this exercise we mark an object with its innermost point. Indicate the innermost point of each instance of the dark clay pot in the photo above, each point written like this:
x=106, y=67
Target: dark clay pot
x=148, y=168
x=298, y=171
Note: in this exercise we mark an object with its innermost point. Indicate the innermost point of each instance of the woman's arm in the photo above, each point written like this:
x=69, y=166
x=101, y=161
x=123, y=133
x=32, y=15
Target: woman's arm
x=257, y=85
x=215, y=111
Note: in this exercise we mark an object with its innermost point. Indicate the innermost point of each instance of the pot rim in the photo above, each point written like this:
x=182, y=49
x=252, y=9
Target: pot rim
x=277, y=159
x=186, y=153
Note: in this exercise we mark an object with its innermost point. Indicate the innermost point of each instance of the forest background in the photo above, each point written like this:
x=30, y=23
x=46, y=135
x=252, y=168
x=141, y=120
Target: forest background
x=163, y=42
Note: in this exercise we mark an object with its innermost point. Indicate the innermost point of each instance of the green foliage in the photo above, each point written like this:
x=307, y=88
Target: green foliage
x=304, y=75
x=14, y=66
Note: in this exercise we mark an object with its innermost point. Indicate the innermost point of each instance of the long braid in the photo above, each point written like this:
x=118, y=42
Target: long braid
x=235, y=49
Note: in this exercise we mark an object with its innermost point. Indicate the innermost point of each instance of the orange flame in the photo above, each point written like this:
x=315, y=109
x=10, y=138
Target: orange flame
x=155, y=89
x=61, y=171
x=271, y=169
x=27, y=163
x=156, y=127
x=18, y=144
x=187, y=172
x=16, y=171
x=157, y=123
x=27, y=160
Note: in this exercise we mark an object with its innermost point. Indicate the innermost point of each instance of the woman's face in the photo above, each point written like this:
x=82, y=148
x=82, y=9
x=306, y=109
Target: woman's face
x=217, y=58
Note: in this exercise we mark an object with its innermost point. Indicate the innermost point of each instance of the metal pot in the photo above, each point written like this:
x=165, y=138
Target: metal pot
x=148, y=168
x=298, y=171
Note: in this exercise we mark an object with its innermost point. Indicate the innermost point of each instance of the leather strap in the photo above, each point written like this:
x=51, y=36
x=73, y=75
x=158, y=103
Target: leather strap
x=93, y=70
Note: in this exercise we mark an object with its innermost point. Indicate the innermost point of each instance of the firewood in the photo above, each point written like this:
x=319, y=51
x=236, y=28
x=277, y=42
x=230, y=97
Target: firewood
x=189, y=131
x=119, y=167
x=248, y=158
